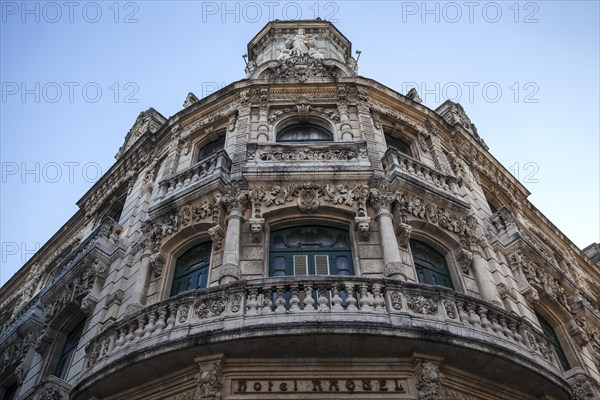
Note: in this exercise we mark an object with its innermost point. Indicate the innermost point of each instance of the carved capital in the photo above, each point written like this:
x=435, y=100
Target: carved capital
x=157, y=262
x=230, y=272
x=394, y=269
x=88, y=303
x=217, y=235
x=465, y=260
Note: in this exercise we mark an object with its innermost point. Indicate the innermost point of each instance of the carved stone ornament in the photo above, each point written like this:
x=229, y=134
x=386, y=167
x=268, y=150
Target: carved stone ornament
x=212, y=307
x=210, y=380
x=465, y=260
x=403, y=232
x=52, y=393
x=362, y=227
x=582, y=389
x=396, y=300
x=230, y=270
x=257, y=229
x=393, y=269
x=308, y=200
x=429, y=381
x=157, y=262
x=302, y=68
x=217, y=236
x=422, y=305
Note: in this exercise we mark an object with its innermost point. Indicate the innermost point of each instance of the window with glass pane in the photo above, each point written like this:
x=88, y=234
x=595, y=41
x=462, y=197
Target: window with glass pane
x=398, y=144
x=310, y=250
x=431, y=266
x=211, y=148
x=68, y=350
x=191, y=269
x=554, y=342
x=304, y=133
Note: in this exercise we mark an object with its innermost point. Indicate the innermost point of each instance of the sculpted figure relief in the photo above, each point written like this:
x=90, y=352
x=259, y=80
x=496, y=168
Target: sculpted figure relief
x=301, y=44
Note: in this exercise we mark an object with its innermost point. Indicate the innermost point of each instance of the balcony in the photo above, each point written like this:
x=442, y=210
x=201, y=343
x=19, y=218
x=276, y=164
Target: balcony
x=380, y=311
x=288, y=160
x=397, y=164
x=213, y=168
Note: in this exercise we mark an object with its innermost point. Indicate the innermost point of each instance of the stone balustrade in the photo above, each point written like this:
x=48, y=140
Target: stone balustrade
x=328, y=157
x=400, y=164
x=213, y=167
x=395, y=307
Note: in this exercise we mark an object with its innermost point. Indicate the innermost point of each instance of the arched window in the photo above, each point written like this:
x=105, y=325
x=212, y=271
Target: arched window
x=66, y=355
x=211, y=148
x=310, y=250
x=554, y=342
x=398, y=144
x=431, y=266
x=191, y=269
x=304, y=133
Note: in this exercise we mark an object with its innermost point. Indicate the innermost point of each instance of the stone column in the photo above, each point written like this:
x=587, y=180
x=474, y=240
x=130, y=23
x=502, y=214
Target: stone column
x=230, y=270
x=140, y=285
x=392, y=260
x=483, y=277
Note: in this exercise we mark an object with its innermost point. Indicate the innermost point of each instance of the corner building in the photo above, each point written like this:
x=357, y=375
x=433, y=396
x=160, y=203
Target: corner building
x=304, y=233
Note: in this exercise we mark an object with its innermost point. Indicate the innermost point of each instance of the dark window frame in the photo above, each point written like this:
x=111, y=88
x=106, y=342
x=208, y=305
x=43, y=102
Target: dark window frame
x=69, y=347
x=191, y=273
x=338, y=251
x=398, y=144
x=210, y=148
x=550, y=335
x=431, y=266
x=318, y=128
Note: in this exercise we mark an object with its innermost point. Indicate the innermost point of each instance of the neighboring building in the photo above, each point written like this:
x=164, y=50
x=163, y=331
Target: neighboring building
x=304, y=233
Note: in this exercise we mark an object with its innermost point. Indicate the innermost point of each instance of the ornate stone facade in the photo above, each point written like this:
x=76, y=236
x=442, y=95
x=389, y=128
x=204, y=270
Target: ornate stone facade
x=325, y=263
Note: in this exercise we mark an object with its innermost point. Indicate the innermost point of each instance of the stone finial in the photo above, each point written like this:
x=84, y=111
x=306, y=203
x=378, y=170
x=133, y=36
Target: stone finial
x=189, y=100
x=414, y=95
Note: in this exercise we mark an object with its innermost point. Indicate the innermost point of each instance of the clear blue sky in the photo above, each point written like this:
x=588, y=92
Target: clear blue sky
x=527, y=74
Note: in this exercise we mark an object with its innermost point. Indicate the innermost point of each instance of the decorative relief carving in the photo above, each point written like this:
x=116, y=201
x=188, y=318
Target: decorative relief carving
x=422, y=305
x=429, y=381
x=465, y=260
x=210, y=307
x=362, y=225
x=257, y=229
x=302, y=68
x=450, y=309
x=582, y=389
x=541, y=280
x=217, y=235
x=308, y=154
x=210, y=380
x=396, y=300
x=52, y=393
x=75, y=290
